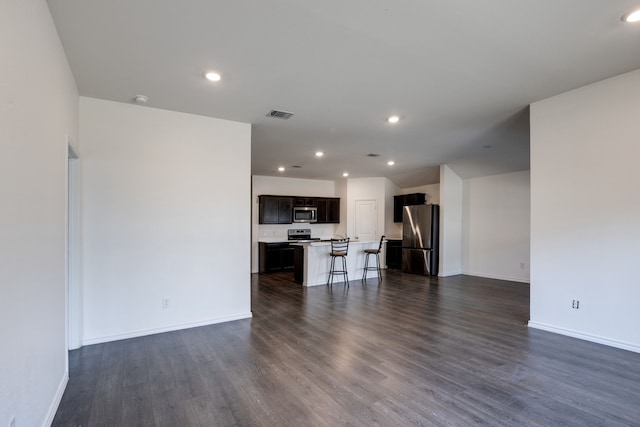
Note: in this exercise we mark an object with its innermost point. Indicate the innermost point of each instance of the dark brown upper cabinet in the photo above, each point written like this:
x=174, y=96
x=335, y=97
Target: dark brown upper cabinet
x=275, y=210
x=406, y=200
x=278, y=209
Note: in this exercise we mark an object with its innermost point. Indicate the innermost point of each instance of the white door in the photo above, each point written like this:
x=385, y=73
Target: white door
x=366, y=219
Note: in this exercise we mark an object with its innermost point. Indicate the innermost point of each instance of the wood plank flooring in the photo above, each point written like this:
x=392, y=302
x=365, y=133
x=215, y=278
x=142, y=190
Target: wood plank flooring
x=411, y=350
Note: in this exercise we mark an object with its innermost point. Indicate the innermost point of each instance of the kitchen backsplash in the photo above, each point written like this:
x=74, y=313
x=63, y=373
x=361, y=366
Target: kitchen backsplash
x=280, y=230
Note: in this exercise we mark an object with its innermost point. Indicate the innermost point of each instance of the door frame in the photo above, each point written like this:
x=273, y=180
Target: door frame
x=73, y=250
x=355, y=217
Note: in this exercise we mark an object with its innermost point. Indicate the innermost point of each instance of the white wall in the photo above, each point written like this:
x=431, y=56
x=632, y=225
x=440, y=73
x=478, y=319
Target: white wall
x=585, y=212
x=342, y=193
x=283, y=186
x=496, y=222
x=432, y=192
x=38, y=108
x=392, y=230
x=166, y=214
x=450, y=222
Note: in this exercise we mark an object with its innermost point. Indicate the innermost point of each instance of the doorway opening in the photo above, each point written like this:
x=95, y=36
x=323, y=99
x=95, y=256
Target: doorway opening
x=73, y=271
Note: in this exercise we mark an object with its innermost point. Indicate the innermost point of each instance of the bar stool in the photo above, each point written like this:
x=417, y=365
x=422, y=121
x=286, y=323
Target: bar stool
x=339, y=249
x=375, y=252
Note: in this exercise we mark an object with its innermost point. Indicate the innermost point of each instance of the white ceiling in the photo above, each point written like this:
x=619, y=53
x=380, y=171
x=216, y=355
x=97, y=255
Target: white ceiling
x=460, y=74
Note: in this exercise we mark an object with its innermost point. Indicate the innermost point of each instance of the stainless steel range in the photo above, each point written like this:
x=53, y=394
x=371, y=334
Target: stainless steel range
x=301, y=235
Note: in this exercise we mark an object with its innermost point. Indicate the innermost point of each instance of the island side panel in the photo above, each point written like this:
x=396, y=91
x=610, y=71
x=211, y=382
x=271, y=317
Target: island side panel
x=317, y=262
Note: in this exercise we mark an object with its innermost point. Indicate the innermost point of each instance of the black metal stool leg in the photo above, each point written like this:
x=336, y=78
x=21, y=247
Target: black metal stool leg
x=331, y=268
x=344, y=269
x=339, y=248
x=366, y=267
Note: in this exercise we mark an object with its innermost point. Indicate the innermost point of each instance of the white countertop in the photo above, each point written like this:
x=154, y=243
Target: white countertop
x=351, y=242
x=327, y=238
x=280, y=240
x=273, y=240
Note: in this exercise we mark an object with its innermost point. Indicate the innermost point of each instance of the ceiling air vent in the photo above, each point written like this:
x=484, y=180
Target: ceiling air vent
x=284, y=115
x=373, y=155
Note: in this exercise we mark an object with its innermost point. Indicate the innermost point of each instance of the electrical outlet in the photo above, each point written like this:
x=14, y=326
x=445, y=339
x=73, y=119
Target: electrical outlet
x=575, y=304
x=165, y=302
x=12, y=423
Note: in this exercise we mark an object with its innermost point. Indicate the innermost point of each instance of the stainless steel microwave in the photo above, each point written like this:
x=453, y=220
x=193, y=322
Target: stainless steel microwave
x=305, y=214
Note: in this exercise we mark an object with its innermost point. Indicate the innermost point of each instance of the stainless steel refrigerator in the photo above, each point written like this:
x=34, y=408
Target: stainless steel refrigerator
x=420, y=239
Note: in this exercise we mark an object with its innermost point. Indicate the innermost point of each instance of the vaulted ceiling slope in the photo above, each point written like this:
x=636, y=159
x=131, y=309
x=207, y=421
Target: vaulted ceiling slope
x=459, y=74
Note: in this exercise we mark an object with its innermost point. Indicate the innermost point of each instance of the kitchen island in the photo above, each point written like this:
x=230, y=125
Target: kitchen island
x=316, y=261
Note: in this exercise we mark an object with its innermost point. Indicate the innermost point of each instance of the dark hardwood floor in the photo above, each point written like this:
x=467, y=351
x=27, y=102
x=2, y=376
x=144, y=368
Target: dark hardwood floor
x=409, y=351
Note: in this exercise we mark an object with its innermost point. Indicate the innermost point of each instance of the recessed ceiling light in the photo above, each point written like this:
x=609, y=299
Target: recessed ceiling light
x=281, y=168
x=393, y=119
x=319, y=154
x=632, y=16
x=391, y=163
x=345, y=174
x=212, y=76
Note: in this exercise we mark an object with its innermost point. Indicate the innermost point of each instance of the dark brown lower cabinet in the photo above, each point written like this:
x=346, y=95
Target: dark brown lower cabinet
x=394, y=254
x=275, y=257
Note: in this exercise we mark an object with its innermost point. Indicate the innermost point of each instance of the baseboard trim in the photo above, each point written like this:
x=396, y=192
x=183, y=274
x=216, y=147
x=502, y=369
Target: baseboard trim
x=142, y=333
x=53, y=408
x=492, y=276
x=449, y=273
x=583, y=336
x=308, y=285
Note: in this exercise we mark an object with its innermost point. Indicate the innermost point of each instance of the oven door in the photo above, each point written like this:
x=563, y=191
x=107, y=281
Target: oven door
x=305, y=214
